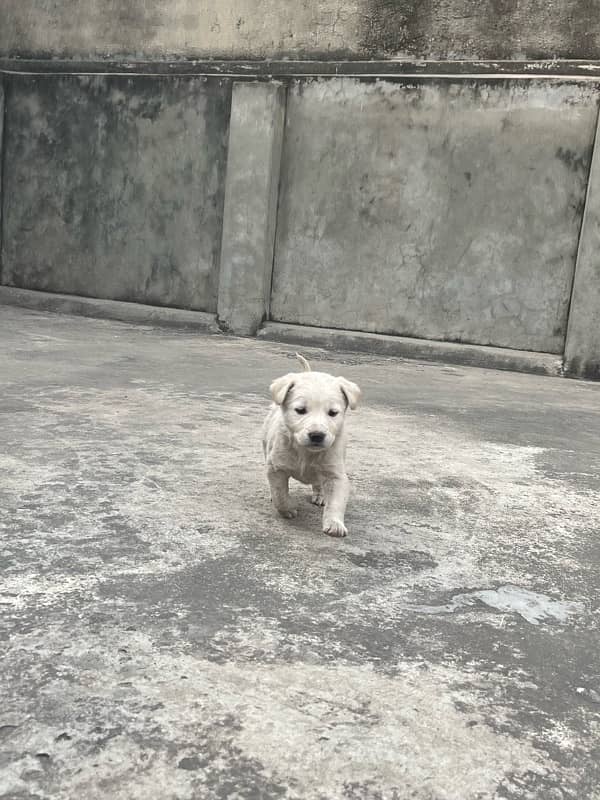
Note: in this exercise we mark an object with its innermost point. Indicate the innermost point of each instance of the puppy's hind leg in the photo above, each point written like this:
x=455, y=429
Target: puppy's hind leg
x=280, y=493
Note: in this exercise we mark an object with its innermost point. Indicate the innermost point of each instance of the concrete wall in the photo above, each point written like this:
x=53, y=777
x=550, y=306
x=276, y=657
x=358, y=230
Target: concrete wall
x=455, y=209
x=114, y=187
x=446, y=210
x=434, y=29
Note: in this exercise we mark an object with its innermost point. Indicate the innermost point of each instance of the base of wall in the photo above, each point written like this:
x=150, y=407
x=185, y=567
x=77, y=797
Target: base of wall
x=328, y=338
x=109, y=309
x=419, y=349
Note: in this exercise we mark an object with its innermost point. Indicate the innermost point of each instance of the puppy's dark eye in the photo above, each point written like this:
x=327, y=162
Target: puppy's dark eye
x=333, y=413
x=301, y=410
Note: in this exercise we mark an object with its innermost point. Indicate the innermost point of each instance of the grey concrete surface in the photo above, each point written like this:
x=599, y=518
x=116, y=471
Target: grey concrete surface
x=250, y=215
x=582, y=350
x=471, y=355
x=165, y=636
x=113, y=187
x=442, y=210
x=324, y=28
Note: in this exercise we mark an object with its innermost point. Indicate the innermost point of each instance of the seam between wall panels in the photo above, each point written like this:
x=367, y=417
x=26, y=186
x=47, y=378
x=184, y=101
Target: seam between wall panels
x=224, y=199
x=285, y=90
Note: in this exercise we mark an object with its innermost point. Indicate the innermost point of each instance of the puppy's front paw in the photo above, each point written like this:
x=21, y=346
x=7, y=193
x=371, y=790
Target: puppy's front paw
x=334, y=527
x=287, y=512
x=317, y=499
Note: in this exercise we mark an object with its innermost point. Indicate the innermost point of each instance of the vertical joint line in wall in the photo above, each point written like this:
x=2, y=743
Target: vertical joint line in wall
x=595, y=143
x=223, y=200
x=277, y=202
x=3, y=128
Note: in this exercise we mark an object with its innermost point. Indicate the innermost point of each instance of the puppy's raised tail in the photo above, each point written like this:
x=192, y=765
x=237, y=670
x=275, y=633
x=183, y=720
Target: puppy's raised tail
x=304, y=362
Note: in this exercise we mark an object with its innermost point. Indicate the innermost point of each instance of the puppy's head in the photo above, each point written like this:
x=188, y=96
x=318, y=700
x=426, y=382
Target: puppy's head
x=314, y=405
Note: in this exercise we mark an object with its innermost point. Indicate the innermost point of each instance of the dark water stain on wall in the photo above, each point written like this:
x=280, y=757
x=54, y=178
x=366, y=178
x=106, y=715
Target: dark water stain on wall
x=116, y=187
x=493, y=29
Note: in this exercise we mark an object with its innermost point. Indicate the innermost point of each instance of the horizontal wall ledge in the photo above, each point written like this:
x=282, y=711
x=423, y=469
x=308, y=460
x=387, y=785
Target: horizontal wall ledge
x=419, y=349
x=109, y=309
x=579, y=70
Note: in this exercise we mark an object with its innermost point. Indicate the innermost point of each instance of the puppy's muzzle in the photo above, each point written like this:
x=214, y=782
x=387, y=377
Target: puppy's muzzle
x=316, y=439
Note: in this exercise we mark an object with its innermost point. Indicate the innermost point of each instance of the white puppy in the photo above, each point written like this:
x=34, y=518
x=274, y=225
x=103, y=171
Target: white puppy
x=303, y=438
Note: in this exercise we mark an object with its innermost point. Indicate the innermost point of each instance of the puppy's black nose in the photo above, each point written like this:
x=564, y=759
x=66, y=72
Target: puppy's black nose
x=316, y=438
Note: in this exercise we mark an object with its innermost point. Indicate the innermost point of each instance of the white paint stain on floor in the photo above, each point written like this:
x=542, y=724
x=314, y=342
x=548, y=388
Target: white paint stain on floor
x=531, y=606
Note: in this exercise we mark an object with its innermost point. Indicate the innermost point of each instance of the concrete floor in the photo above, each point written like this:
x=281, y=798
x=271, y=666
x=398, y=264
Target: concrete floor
x=164, y=635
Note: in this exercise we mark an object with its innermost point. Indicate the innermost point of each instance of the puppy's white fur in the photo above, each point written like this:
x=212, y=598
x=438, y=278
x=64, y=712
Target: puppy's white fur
x=304, y=439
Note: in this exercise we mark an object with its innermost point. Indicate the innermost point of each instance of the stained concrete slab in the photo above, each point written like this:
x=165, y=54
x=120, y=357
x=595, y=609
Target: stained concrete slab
x=445, y=210
x=113, y=187
x=156, y=29
x=165, y=635
x=457, y=29
x=327, y=28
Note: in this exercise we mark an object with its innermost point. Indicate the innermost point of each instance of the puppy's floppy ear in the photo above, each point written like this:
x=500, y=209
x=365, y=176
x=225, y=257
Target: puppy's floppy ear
x=350, y=391
x=280, y=387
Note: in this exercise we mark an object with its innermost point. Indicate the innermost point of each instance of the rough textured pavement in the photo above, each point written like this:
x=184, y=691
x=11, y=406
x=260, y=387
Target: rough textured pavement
x=164, y=635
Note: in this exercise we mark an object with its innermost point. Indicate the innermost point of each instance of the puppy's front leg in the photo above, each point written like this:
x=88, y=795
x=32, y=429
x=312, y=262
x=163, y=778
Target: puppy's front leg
x=280, y=493
x=337, y=491
x=317, y=495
